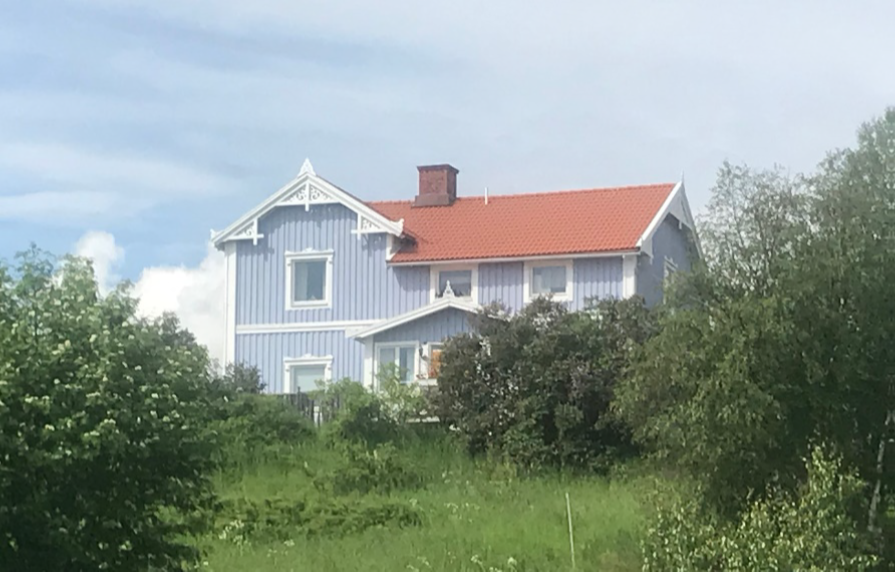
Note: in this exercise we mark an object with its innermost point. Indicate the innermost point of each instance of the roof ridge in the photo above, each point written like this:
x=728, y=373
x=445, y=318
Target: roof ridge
x=538, y=193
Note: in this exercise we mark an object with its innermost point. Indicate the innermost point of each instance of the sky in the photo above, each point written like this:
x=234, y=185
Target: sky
x=129, y=129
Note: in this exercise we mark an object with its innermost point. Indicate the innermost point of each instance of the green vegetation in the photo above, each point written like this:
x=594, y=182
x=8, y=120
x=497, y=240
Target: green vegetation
x=451, y=513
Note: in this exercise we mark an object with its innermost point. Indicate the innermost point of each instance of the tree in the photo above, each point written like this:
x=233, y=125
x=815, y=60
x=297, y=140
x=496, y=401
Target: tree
x=103, y=460
x=783, y=337
x=536, y=386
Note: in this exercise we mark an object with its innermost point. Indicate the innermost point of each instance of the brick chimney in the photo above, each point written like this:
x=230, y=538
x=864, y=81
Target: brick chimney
x=438, y=186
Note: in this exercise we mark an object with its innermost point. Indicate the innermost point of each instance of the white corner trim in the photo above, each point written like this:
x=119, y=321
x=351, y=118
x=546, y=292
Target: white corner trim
x=230, y=303
x=433, y=280
x=629, y=275
x=289, y=363
x=421, y=312
x=675, y=203
x=369, y=378
x=326, y=256
x=529, y=267
x=307, y=189
x=300, y=327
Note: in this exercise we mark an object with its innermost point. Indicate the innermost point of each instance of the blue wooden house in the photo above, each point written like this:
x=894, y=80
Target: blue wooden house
x=323, y=285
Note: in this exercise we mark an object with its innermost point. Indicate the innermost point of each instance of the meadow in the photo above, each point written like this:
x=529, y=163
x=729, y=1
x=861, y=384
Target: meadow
x=473, y=515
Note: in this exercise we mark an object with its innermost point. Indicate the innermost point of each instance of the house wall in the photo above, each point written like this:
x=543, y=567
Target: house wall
x=363, y=288
x=433, y=328
x=668, y=241
x=268, y=353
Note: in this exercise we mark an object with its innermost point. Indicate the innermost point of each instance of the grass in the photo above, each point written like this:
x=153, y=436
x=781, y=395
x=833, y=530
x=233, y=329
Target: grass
x=475, y=516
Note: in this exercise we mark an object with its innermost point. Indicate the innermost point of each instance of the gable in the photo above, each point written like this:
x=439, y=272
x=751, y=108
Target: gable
x=307, y=189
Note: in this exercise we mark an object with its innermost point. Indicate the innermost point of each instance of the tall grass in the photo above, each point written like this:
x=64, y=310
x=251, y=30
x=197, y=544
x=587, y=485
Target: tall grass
x=476, y=515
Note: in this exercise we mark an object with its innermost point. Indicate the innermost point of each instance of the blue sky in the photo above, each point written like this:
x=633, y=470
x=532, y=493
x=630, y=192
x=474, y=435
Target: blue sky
x=149, y=122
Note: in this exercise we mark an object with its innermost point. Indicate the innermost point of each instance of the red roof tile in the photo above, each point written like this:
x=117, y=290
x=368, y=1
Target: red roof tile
x=534, y=224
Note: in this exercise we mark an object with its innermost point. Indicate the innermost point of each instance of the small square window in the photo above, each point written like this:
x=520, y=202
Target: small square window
x=460, y=281
x=308, y=280
x=548, y=280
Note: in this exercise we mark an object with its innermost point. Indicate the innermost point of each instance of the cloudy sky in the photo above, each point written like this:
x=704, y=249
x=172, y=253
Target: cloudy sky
x=130, y=128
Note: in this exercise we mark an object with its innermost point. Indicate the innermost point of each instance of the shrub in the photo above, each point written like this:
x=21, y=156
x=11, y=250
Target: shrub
x=813, y=531
x=366, y=471
x=358, y=415
x=537, y=386
x=104, y=461
x=254, y=424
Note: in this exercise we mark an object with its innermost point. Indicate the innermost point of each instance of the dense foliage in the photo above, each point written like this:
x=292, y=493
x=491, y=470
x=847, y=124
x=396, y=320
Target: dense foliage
x=536, y=386
x=103, y=458
x=812, y=530
x=783, y=337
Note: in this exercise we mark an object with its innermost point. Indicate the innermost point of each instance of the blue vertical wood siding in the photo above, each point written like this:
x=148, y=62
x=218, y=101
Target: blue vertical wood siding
x=596, y=277
x=668, y=241
x=364, y=286
x=268, y=353
x=432, y=328
x=501, y=282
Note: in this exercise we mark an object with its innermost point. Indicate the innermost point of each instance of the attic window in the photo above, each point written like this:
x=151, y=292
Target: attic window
x=308, y=280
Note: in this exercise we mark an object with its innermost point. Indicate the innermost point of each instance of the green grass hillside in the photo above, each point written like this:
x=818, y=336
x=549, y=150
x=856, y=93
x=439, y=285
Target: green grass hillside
x=467, y=515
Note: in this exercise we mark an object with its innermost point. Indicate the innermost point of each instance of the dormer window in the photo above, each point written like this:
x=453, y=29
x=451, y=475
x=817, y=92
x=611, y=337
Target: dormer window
x=459, y=282
x=548, y=278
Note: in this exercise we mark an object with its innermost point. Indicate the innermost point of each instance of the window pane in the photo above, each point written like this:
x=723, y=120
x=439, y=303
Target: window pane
x=407, y=361
x=548, y=280
x=305, y=377
x=461, y=282
x=308, y=280
x=386, y=355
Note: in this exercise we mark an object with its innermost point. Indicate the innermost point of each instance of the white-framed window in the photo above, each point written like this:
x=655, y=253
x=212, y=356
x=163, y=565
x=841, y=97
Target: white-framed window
x=463, y=280
x=402, y=355
x=670, y=268
x=303, y=374
x=548, y=278
x=309, y=279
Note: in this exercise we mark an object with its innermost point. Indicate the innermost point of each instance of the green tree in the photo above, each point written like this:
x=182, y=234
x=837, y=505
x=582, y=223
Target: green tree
x=103, y=460
x=537, y=385
x=783, y=336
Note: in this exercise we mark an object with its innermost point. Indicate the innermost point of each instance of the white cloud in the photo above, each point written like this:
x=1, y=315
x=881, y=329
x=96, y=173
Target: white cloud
x=195, y=294
x=106, y=255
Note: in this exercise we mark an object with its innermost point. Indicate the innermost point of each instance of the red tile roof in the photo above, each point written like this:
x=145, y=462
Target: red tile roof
x=534, y=224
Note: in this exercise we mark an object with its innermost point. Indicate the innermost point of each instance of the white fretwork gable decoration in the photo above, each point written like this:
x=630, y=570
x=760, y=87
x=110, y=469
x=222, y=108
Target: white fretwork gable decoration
x=307, y=189
x=448, y=291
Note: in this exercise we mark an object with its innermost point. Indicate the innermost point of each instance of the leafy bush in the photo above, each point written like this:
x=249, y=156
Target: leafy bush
x=253, y=424
x=367, y=471
x=104, y=460
x=537, y=386
x=244, y=521
x=813, y=531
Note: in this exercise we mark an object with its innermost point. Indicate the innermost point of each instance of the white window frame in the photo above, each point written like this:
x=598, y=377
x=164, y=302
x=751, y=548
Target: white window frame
x=415, y=369
x=669, y=268
x=436, y=269
x=566, y=296
x=310, y=255
x=313, y=361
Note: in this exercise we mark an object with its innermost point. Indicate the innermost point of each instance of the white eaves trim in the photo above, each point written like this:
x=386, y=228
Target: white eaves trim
x=470, y=261
x=676, y=203
x=421, y=312
x=307, y=189
x=300, y=327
